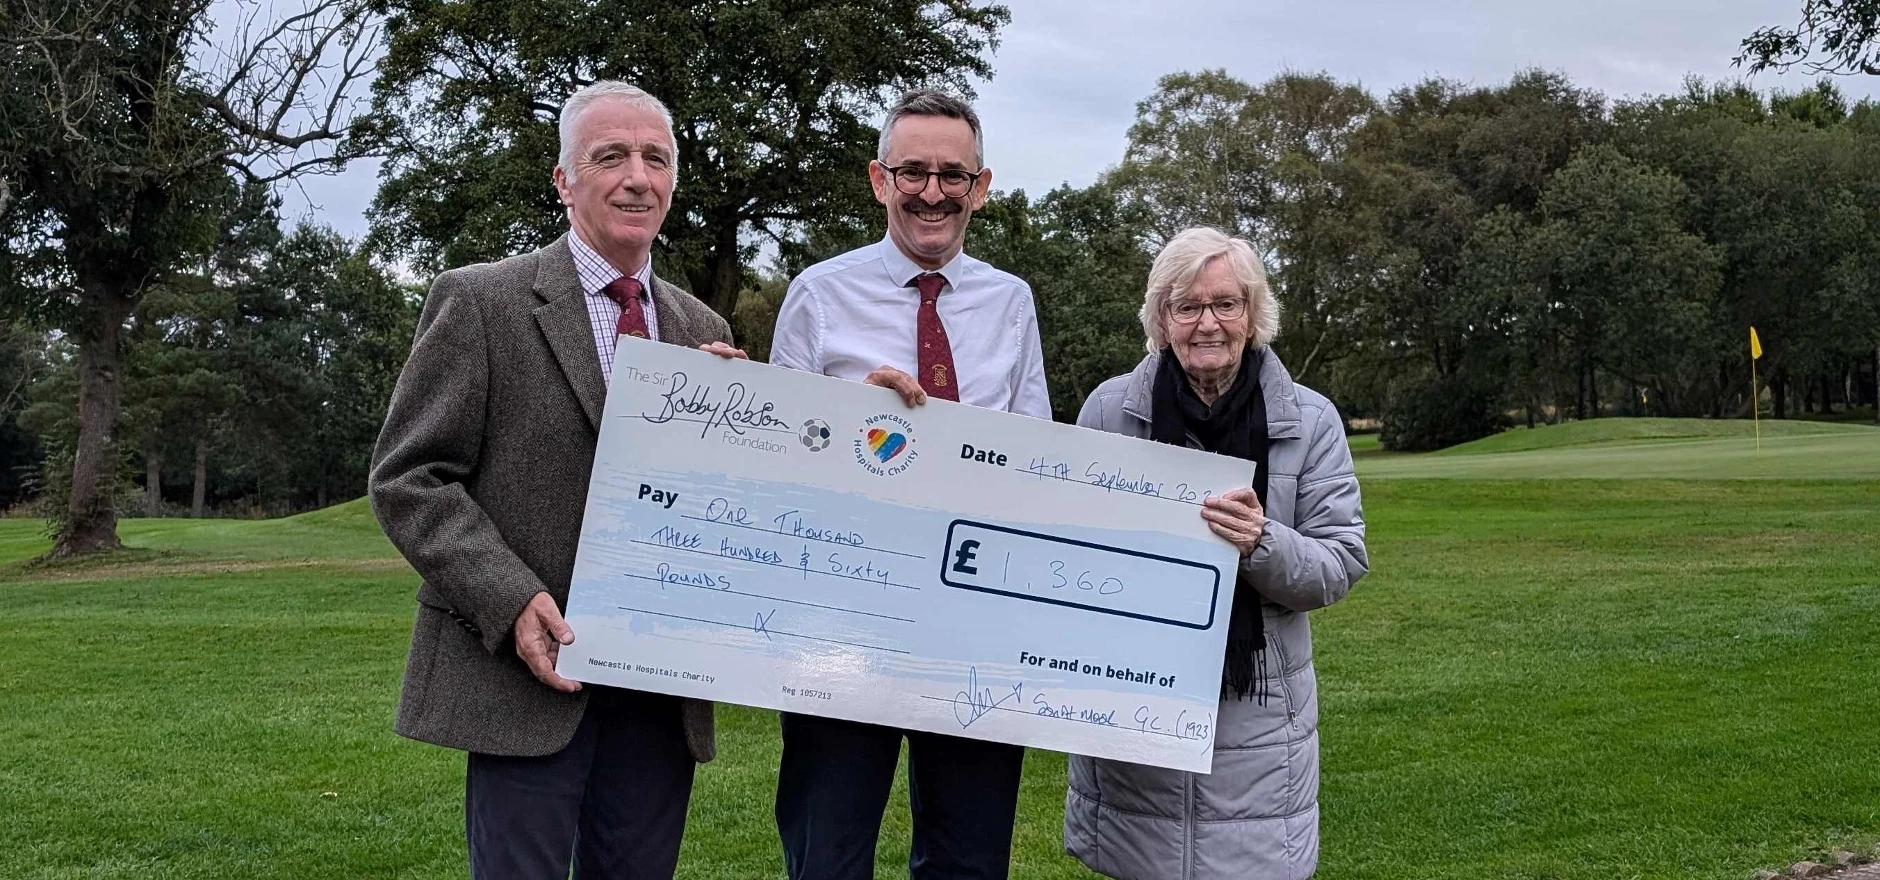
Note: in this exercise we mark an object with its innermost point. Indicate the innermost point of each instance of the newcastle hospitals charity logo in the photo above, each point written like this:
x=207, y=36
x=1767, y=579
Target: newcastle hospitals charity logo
x=885, y=446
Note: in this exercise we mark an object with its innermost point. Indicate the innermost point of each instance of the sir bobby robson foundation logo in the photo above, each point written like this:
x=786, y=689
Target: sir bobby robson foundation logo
x=886, y=445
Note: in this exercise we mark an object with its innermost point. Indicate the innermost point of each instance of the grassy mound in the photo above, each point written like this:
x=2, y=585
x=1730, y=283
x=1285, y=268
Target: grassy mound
x=1671, y=449
x=354, y=515
x=1634, y=431
x=343, y=531
x=1643, y=430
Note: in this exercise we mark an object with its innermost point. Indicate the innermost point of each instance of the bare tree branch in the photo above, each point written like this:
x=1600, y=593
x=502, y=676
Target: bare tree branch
x=296, y=87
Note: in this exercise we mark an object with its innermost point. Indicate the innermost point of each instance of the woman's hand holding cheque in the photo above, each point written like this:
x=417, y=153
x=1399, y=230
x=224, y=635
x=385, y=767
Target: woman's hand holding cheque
x=1236, y=516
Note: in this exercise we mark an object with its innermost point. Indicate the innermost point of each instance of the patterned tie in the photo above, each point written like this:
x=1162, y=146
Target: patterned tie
x=936, y=354
x=625, y=290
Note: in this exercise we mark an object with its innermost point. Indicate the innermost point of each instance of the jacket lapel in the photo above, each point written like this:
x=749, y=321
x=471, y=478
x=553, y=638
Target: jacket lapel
x=673, y=328
x=564, y=321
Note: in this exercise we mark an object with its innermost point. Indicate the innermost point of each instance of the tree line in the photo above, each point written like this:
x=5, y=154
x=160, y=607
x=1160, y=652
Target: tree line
x=1449, y=258
x=253, y=385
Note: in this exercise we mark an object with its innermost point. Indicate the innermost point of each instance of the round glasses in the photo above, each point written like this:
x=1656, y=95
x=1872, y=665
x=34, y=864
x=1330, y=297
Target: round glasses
x=1188, y=311
x=912, y=180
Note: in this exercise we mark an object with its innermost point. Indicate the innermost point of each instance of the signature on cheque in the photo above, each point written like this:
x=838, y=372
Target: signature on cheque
x=738, y=408
x=976, y=702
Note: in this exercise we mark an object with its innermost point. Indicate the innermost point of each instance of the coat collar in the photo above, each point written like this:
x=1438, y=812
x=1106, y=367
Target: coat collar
x=1276, y=385
x=564, y=321
x=673, y=326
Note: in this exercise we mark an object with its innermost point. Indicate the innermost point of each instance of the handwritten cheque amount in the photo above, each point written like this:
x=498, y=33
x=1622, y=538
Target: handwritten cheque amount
x=772, y=538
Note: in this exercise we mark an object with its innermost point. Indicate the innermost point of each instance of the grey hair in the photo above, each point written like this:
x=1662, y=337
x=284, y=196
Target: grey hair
x=608, y=90
x=1183, y=258
x=927, y=102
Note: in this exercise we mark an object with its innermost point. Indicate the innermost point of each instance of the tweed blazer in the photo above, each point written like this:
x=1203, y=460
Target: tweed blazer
x=480, y=478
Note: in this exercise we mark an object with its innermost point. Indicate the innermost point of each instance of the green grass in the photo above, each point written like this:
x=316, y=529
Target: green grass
x=1363, y=445
x=342, y=532
x=1633, y=431
x=1543, y=680
x=1698, y=449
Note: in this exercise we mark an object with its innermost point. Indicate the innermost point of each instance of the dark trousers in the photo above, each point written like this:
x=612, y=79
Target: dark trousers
x=613, y=800
x=834, y=785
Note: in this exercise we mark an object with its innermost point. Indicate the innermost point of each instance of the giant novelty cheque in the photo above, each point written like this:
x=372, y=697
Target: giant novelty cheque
x=772, y=538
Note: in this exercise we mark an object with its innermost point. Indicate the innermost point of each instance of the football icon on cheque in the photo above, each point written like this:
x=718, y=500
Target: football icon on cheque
x=816, y=435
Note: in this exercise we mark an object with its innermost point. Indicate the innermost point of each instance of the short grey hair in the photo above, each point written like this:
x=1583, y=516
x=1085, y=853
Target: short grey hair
x=1183, y=258
x=927, y=102
x=608, y=90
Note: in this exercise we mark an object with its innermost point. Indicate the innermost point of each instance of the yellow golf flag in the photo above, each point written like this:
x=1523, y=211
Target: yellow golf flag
x=1755, y=400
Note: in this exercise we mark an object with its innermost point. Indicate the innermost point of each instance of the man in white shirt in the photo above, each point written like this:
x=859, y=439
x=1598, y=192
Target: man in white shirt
x=915, y=314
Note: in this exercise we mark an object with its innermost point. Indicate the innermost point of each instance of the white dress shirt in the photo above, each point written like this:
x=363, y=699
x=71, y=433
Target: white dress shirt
x=603, y=313
x=849, y=315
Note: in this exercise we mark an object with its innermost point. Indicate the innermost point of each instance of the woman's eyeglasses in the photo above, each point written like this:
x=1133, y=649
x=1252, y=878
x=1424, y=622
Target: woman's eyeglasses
x=1189, y=311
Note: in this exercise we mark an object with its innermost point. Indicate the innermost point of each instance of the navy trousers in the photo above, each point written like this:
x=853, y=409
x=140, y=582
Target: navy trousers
x=833, y=787
x=613, y=801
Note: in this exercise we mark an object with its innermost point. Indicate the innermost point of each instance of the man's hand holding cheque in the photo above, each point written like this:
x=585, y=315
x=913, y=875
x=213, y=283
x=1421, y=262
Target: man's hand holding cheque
x=898, y=382
x=539, y=633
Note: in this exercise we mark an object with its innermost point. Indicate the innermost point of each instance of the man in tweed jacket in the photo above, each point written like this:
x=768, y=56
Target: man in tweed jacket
x=480, y=478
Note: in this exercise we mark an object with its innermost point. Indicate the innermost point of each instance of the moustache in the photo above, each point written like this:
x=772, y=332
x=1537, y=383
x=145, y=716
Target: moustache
x=912, y=204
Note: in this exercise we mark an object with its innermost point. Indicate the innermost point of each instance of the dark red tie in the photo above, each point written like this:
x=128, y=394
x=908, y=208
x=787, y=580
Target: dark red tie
x=936, y=354
x=625, y=290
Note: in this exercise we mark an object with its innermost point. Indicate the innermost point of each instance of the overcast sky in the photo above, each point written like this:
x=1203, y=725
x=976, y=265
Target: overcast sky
x=1069, y=73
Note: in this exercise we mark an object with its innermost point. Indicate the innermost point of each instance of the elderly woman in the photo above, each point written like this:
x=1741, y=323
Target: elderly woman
x=1211, y=382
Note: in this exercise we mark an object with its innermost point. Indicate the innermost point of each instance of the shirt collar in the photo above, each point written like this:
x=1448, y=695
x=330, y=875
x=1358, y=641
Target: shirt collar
x=902, y=271
x=596, y=272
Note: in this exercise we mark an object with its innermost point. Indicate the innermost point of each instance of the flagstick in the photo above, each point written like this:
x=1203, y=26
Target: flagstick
x=1755, y=405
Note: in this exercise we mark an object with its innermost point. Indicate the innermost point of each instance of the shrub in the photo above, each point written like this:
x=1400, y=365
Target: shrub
x=1440, y=413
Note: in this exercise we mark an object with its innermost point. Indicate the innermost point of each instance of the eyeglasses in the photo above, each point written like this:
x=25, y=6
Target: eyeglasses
x=1189, y=311
x=912, y=180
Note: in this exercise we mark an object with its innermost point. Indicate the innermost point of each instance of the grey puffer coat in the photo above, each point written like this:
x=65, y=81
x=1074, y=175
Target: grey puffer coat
x=1256, y=816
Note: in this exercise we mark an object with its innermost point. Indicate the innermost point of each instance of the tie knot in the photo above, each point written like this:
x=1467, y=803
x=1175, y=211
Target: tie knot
x=930, y=285
x=623, y=290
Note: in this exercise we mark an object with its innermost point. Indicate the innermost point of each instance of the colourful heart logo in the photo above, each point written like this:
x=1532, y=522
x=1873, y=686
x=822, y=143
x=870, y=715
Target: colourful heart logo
x=885, y=445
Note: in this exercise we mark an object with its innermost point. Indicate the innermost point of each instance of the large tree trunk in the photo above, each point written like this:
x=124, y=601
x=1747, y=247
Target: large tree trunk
x=1579, y=396
x=201, y=490
x=718, y=280
x=1778, y=395
x=90, y=511
x=153, y=483
x=1592, y=389
x=1876, y=384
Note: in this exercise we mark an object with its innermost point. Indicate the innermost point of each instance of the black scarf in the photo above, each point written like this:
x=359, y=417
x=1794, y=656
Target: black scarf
x=1234, y=425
